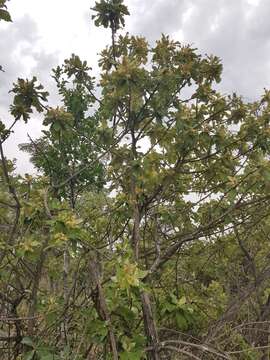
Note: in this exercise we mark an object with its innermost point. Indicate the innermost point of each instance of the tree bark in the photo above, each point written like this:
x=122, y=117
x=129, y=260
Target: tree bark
x=150, y=326
x=101, y=306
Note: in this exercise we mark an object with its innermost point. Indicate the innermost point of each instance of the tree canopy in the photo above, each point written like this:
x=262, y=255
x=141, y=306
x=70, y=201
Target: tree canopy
x=145, y=234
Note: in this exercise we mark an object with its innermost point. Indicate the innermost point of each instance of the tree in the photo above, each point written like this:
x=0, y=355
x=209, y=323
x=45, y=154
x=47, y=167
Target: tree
x=167, y=259
x=73, y=135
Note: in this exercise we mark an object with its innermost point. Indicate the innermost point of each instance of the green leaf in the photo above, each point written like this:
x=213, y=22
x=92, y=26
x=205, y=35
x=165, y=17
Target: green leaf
x=43, y=355
x=126, y=313
x=30, y=355
x=98, y=330
x=182, y=301
x=181, y=321
x=132, y=355
x=5, y=15
x=28, y=341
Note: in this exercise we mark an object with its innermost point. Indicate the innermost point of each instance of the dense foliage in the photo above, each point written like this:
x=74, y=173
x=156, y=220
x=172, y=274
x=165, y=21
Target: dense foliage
x=147, y=233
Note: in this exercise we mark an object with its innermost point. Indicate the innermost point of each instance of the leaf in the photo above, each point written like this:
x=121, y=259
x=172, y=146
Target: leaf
x=46, y=355
x=5, y=15
x=168, y=307
x=30, y=355
x=28, y=341
x=126, y=313
x=132, y=355
x=182, y=301
x=49, y=357
x=181, y=321
x=97, y=330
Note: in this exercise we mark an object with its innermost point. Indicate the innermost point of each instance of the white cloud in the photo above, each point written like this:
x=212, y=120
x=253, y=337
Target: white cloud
x=253, y=2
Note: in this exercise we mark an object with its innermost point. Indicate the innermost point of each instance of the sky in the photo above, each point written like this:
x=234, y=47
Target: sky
x=44, y=33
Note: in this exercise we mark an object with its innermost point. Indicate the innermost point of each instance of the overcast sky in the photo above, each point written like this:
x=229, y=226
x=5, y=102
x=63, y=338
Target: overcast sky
x=44, y=33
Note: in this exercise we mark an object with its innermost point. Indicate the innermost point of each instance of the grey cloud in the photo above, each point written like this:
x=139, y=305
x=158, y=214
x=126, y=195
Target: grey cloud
x=156, y=17
x=243, y=52
x=235, y=31
x=259, y=22
x=14, y=39
x=20, y=57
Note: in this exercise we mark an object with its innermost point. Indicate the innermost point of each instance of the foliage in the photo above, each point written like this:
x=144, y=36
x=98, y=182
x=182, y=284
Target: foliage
x=72, y=139
x=110, y=13
x=4, y=14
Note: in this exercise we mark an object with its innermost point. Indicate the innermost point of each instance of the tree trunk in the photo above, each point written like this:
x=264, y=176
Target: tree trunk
x=150, y=326
x=101, y=306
